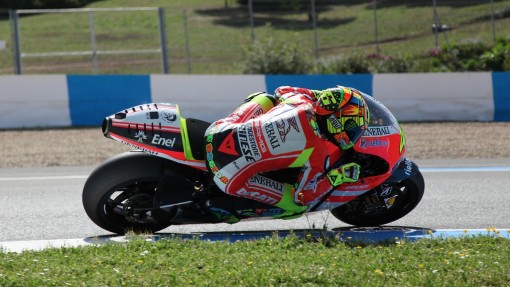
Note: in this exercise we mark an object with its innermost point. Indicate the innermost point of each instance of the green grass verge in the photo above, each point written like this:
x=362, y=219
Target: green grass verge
x=473, y=261
x=217, y=34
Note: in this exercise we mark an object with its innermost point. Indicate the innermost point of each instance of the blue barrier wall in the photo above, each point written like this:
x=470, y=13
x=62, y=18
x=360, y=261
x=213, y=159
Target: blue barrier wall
x=362, y=82
x=501, y=92
x=91, y=98
x=84, y=100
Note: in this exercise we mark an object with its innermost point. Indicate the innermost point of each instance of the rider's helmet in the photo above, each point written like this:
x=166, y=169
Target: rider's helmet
x=345, y=115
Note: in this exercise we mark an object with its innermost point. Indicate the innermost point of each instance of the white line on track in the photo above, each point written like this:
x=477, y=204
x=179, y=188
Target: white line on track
x=465, y=169
x=424, y=170
x=23, y=178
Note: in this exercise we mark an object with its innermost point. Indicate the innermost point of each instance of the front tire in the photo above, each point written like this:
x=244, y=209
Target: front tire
x=129, y=176
x=410, y=192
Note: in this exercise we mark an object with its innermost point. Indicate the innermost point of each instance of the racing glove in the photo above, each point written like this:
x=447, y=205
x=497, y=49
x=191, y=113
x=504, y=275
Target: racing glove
x=346, y=173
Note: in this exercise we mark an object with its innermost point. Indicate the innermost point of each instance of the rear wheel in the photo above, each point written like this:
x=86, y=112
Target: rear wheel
x=383, y=205
x=118, y=189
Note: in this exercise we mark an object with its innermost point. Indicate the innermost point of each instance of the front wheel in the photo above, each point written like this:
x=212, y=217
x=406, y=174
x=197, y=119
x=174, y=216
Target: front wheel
x=372, y=209
x=123, y=183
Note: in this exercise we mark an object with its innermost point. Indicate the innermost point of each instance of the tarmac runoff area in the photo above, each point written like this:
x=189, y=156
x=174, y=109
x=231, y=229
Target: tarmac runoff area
x=373, y=235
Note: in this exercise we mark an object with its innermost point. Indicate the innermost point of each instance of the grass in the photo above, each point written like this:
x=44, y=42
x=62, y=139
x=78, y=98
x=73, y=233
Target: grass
x=217, y=35
x=470, y=261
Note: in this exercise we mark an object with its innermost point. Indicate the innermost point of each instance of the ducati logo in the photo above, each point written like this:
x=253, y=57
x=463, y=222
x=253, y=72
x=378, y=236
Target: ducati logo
x=140, y=136
x=169, y=116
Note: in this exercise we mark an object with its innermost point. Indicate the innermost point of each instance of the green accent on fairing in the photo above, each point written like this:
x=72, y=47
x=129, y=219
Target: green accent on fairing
x=287, y=203
x=185, y=139
x=302, y=158
x=402, y=138
x=335, y=177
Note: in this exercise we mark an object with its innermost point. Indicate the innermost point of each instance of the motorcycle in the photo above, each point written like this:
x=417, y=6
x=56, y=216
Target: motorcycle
x=165, y=181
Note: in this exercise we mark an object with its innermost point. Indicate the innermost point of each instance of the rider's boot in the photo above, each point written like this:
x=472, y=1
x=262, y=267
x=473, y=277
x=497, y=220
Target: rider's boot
x=222, y=214
x=287, y=203
x=217, y=208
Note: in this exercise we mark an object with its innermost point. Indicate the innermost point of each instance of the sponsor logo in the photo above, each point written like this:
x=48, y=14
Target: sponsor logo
x=284, y=129
x=228, y=145
x=366, y=143
x=212, y=165
x=169, y=116
x=268, y=212
x=271, y=135
x=312, y=184
x=258, y=112
x=140, y=148
x=409, y=167
x=377, y=131
x=386, y=191
x=266, y=182
x=357, y=187
x=390, y=201
x=247, y=143
x=257, y=196
x=140, y=136
x=158, y=140
x=260, y=139
x=334, y=122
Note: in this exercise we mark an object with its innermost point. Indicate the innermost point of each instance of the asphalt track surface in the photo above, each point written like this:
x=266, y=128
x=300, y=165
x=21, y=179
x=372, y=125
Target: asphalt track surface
x=45, y=203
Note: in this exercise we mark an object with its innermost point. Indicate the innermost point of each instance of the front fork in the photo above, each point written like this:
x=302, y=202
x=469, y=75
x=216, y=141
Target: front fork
x=380, y=198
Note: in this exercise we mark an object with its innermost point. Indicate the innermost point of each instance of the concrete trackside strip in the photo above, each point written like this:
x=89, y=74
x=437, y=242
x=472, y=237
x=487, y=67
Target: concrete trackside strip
x=349, y=234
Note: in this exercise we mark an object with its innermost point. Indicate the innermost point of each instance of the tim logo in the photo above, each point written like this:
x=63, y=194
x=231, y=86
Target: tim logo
x=284, y=129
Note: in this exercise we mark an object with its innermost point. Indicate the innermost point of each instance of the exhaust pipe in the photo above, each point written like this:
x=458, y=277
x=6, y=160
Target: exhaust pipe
x=107, y=123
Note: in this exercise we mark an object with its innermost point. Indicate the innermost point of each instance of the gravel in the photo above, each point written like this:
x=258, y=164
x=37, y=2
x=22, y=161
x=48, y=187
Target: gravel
x=87, y=146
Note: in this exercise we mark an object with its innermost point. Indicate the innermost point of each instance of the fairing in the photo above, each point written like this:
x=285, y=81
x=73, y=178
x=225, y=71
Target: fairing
x=157, y=129
x=384, y=141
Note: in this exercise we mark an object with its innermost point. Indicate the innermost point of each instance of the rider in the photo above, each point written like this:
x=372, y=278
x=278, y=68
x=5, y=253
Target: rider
x=294, y=128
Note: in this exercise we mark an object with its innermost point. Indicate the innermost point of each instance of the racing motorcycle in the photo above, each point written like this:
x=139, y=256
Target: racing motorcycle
x=164, y=181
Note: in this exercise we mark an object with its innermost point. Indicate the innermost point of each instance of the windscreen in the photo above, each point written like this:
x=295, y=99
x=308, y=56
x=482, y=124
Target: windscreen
x=379, y=115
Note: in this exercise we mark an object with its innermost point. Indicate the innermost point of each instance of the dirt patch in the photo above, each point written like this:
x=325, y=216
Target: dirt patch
x=87, y=146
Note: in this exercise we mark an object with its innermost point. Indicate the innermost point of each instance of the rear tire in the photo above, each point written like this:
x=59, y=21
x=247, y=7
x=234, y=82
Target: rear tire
x=410, y=192
x=121, y=177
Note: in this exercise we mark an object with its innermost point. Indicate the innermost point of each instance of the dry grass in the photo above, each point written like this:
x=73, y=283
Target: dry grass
x=87, y=146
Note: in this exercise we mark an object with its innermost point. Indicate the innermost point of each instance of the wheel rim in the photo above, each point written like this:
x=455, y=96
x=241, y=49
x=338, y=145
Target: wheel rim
x=354, y=212
x=114, y=203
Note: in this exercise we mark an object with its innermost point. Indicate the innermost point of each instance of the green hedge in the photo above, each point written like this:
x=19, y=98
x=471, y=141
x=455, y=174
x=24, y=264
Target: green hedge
x=475, y=56
x=271, y=57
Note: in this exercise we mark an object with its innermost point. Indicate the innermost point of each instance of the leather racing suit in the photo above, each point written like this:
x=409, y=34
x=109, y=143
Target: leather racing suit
x=278, y=132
